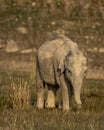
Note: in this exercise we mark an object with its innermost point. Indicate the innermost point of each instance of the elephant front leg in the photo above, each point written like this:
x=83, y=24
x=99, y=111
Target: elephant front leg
x=65, y=98
x=65, y=93
x=50, y=102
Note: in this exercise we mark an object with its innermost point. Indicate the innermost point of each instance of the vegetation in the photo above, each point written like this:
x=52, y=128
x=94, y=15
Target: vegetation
x=18, y=106
x=80, y=20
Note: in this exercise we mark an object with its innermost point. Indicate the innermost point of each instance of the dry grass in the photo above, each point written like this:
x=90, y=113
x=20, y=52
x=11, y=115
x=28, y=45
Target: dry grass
x=96, y=73
x=21, y=115
x=54, y=120
x=20, y=94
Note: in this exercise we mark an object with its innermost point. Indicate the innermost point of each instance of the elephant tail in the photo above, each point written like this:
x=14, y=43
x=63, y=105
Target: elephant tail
x=39, y=81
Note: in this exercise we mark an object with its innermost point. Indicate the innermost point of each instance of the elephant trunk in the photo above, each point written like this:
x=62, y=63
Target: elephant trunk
x=77, y=83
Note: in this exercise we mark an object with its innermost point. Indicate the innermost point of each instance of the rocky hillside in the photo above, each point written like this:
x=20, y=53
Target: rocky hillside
x=27, y=24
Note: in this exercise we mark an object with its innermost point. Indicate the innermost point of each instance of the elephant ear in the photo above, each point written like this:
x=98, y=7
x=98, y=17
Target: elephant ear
x=61, y=66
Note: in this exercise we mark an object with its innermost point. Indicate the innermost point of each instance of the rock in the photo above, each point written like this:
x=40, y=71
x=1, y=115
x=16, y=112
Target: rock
x=101, y=50
x=90, y=50
x=95, y=49
x=60, y=31
x=53, y=23
x=1, y=46
x=28, y=51
x=11, y=46
x=22, y=30
x=87, y=37
x=33, y=4
x=91, y=37
x=94, y=27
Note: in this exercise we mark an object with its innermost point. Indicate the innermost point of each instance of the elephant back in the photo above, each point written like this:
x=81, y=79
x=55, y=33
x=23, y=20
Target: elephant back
x=51, y=46
x=50, y=50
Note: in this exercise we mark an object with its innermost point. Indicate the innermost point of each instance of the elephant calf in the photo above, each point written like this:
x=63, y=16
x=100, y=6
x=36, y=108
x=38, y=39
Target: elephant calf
x=60, y=63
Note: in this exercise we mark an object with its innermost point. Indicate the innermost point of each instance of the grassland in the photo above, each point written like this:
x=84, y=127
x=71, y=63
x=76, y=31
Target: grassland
x=85, y=26
x=18, y=106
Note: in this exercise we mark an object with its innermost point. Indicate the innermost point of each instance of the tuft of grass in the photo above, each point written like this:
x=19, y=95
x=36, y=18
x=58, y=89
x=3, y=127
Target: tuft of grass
x=20, y=95
x=15, y=91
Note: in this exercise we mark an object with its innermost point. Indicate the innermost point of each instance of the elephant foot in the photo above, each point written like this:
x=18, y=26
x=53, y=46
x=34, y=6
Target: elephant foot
x=79, y=106
x=40, y=104
x=67, y=108
x=77, y=109
x=49, y=105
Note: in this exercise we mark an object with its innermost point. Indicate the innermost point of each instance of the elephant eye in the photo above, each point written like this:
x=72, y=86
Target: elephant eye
x=69, y=72
x=85, y=71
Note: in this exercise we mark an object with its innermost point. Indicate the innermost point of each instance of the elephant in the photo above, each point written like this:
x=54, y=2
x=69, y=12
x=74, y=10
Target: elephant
x=60, y=64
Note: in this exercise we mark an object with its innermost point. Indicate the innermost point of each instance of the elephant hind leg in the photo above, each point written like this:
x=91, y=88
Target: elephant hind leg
x=40, y=90
x=50, y=102
x=40, y=96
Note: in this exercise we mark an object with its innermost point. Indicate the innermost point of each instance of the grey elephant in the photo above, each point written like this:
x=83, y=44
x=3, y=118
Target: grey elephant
x=60, y=63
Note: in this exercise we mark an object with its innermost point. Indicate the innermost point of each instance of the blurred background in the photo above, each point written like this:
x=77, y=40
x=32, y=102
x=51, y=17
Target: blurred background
x=25, y=25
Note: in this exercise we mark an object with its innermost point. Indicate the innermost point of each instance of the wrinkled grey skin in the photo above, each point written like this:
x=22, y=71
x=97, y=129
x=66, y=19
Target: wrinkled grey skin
x=60, y=63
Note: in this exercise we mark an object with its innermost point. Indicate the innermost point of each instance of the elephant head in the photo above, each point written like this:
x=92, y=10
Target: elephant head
x=74, y=67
